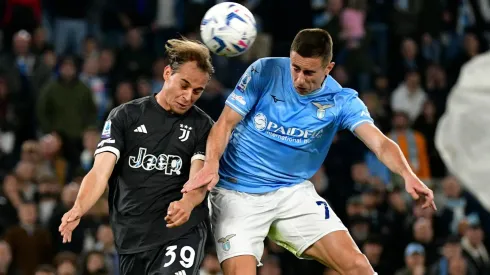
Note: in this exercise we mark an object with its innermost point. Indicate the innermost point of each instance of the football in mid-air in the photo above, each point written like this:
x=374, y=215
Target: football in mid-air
x=228, y=29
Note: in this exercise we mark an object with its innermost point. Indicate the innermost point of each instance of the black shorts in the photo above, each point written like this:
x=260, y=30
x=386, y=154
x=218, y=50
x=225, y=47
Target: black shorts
x=182, y=256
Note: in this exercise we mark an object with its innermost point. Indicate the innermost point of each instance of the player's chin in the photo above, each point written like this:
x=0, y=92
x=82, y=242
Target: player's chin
x=181, y=109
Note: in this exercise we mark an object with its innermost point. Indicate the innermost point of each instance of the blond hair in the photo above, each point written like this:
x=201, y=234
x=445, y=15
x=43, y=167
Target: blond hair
x=180, y=51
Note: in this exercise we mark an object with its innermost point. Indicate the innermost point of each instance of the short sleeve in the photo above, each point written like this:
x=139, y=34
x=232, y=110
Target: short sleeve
x=200, y=149
x=112, y=137
x=247, y=91
x=353, y=114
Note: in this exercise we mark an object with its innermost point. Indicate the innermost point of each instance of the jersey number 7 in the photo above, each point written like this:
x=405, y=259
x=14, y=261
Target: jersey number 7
x=327, y=212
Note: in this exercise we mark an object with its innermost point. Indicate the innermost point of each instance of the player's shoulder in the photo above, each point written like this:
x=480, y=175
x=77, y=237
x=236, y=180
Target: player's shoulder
x=333, y=89
x=131, y=109
x=271, y=62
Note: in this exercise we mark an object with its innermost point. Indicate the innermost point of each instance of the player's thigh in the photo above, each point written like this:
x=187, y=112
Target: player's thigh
x=304, y=218
x=339, y=251
x=131, y=264
x=240, y=223
x=182, y=256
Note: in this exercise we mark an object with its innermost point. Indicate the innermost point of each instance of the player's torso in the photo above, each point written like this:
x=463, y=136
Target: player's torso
x=284, y=138
x=158, y=151
x=295, y=121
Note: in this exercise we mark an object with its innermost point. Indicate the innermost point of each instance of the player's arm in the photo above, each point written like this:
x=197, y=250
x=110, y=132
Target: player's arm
x=196, y=196
x=390, y=154
x=356, y=118
x=95, y=182
x=92, y=187
x=385, y=149
x=245, y=96
x=179, y=211
x=220, y=135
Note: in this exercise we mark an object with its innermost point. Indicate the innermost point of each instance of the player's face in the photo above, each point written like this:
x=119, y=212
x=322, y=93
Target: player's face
x=308, y=73
x=183, y=87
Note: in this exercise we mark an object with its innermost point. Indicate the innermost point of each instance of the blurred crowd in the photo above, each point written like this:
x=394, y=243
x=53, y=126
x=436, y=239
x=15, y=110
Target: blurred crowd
x=65, y=64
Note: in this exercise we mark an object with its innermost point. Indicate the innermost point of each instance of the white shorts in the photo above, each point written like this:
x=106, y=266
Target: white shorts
x=293, y=217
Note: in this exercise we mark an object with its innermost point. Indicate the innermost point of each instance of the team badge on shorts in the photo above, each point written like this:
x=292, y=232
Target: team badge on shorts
x=320, y=113
x=225, y=242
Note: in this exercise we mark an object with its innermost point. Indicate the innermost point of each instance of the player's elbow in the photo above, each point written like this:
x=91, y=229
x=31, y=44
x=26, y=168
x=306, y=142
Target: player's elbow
x=384, y=145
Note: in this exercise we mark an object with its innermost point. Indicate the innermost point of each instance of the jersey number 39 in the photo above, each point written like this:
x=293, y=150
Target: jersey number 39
x=187, y=254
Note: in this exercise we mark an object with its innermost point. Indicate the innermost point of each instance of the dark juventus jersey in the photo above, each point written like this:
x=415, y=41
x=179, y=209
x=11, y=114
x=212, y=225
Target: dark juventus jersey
x=154, y=151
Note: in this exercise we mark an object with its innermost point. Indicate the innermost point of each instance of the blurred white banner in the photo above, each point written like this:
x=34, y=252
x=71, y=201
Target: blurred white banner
x=463, y=133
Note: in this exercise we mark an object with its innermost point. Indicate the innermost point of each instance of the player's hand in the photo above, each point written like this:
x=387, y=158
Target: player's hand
x=178, y=213
x=418, y=190
x=208, y=175
x=69, y=222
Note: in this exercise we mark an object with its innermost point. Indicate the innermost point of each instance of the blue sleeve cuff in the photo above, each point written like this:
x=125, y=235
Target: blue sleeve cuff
x=358, y=123
x=236, y=108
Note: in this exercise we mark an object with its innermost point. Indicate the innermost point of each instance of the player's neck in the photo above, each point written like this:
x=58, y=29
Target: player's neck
x=162, y=102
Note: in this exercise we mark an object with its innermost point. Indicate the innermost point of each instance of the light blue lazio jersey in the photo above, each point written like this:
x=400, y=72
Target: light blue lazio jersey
x=284, y=137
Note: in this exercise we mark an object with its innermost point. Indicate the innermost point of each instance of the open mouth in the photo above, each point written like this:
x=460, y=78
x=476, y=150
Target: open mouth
x=182, y=106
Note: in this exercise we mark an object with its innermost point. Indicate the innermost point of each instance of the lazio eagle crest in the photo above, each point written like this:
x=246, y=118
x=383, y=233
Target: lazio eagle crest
x=320, y=113
x=225, y=242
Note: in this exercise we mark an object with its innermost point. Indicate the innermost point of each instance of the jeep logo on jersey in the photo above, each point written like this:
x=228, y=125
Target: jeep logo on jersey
x=292, y=134
x=168, y=163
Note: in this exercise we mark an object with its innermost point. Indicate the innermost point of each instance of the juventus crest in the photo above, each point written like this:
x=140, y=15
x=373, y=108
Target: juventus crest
x=185, y=132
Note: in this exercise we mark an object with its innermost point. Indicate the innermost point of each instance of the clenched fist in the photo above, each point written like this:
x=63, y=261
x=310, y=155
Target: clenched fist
x=178, y=213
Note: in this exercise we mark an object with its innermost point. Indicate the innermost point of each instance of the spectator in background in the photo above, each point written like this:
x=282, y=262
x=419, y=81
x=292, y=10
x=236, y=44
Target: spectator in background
x=414, y=260
x=70, y=26
x=124, y=93
x=412, y=144
x=423, y=233
x=66, y=106
x=143, y=87
x=9, y=107
x=426, y=124
x=68, y=197
x=45, y=270
x=39, y=41
x=101, y=96
x=409, y=61
x=20, y=15
x=6, y=267
x=157, y=80
x=105, y=245
x=49, y=192
x=133, y=60
x=373, y=249
x=25, y=174
x=25, y=74
x=90, y=140
x=437, y=87
x=53, y=163
x=30, y=243
x=94, y=264
x=66, y=263
x=409, y=97
x=473, y=247
x=106, y=69
x=451, y=250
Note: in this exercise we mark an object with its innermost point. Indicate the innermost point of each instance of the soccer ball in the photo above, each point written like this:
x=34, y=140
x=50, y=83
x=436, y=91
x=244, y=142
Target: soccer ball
x=228, y=29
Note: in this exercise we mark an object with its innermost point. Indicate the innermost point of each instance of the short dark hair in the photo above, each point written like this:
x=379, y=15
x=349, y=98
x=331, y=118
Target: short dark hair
x=180, y=51
x=313, y=43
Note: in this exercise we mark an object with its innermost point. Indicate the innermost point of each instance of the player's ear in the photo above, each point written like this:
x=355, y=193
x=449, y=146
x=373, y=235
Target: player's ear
x=329, y=67
x=167, y=72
